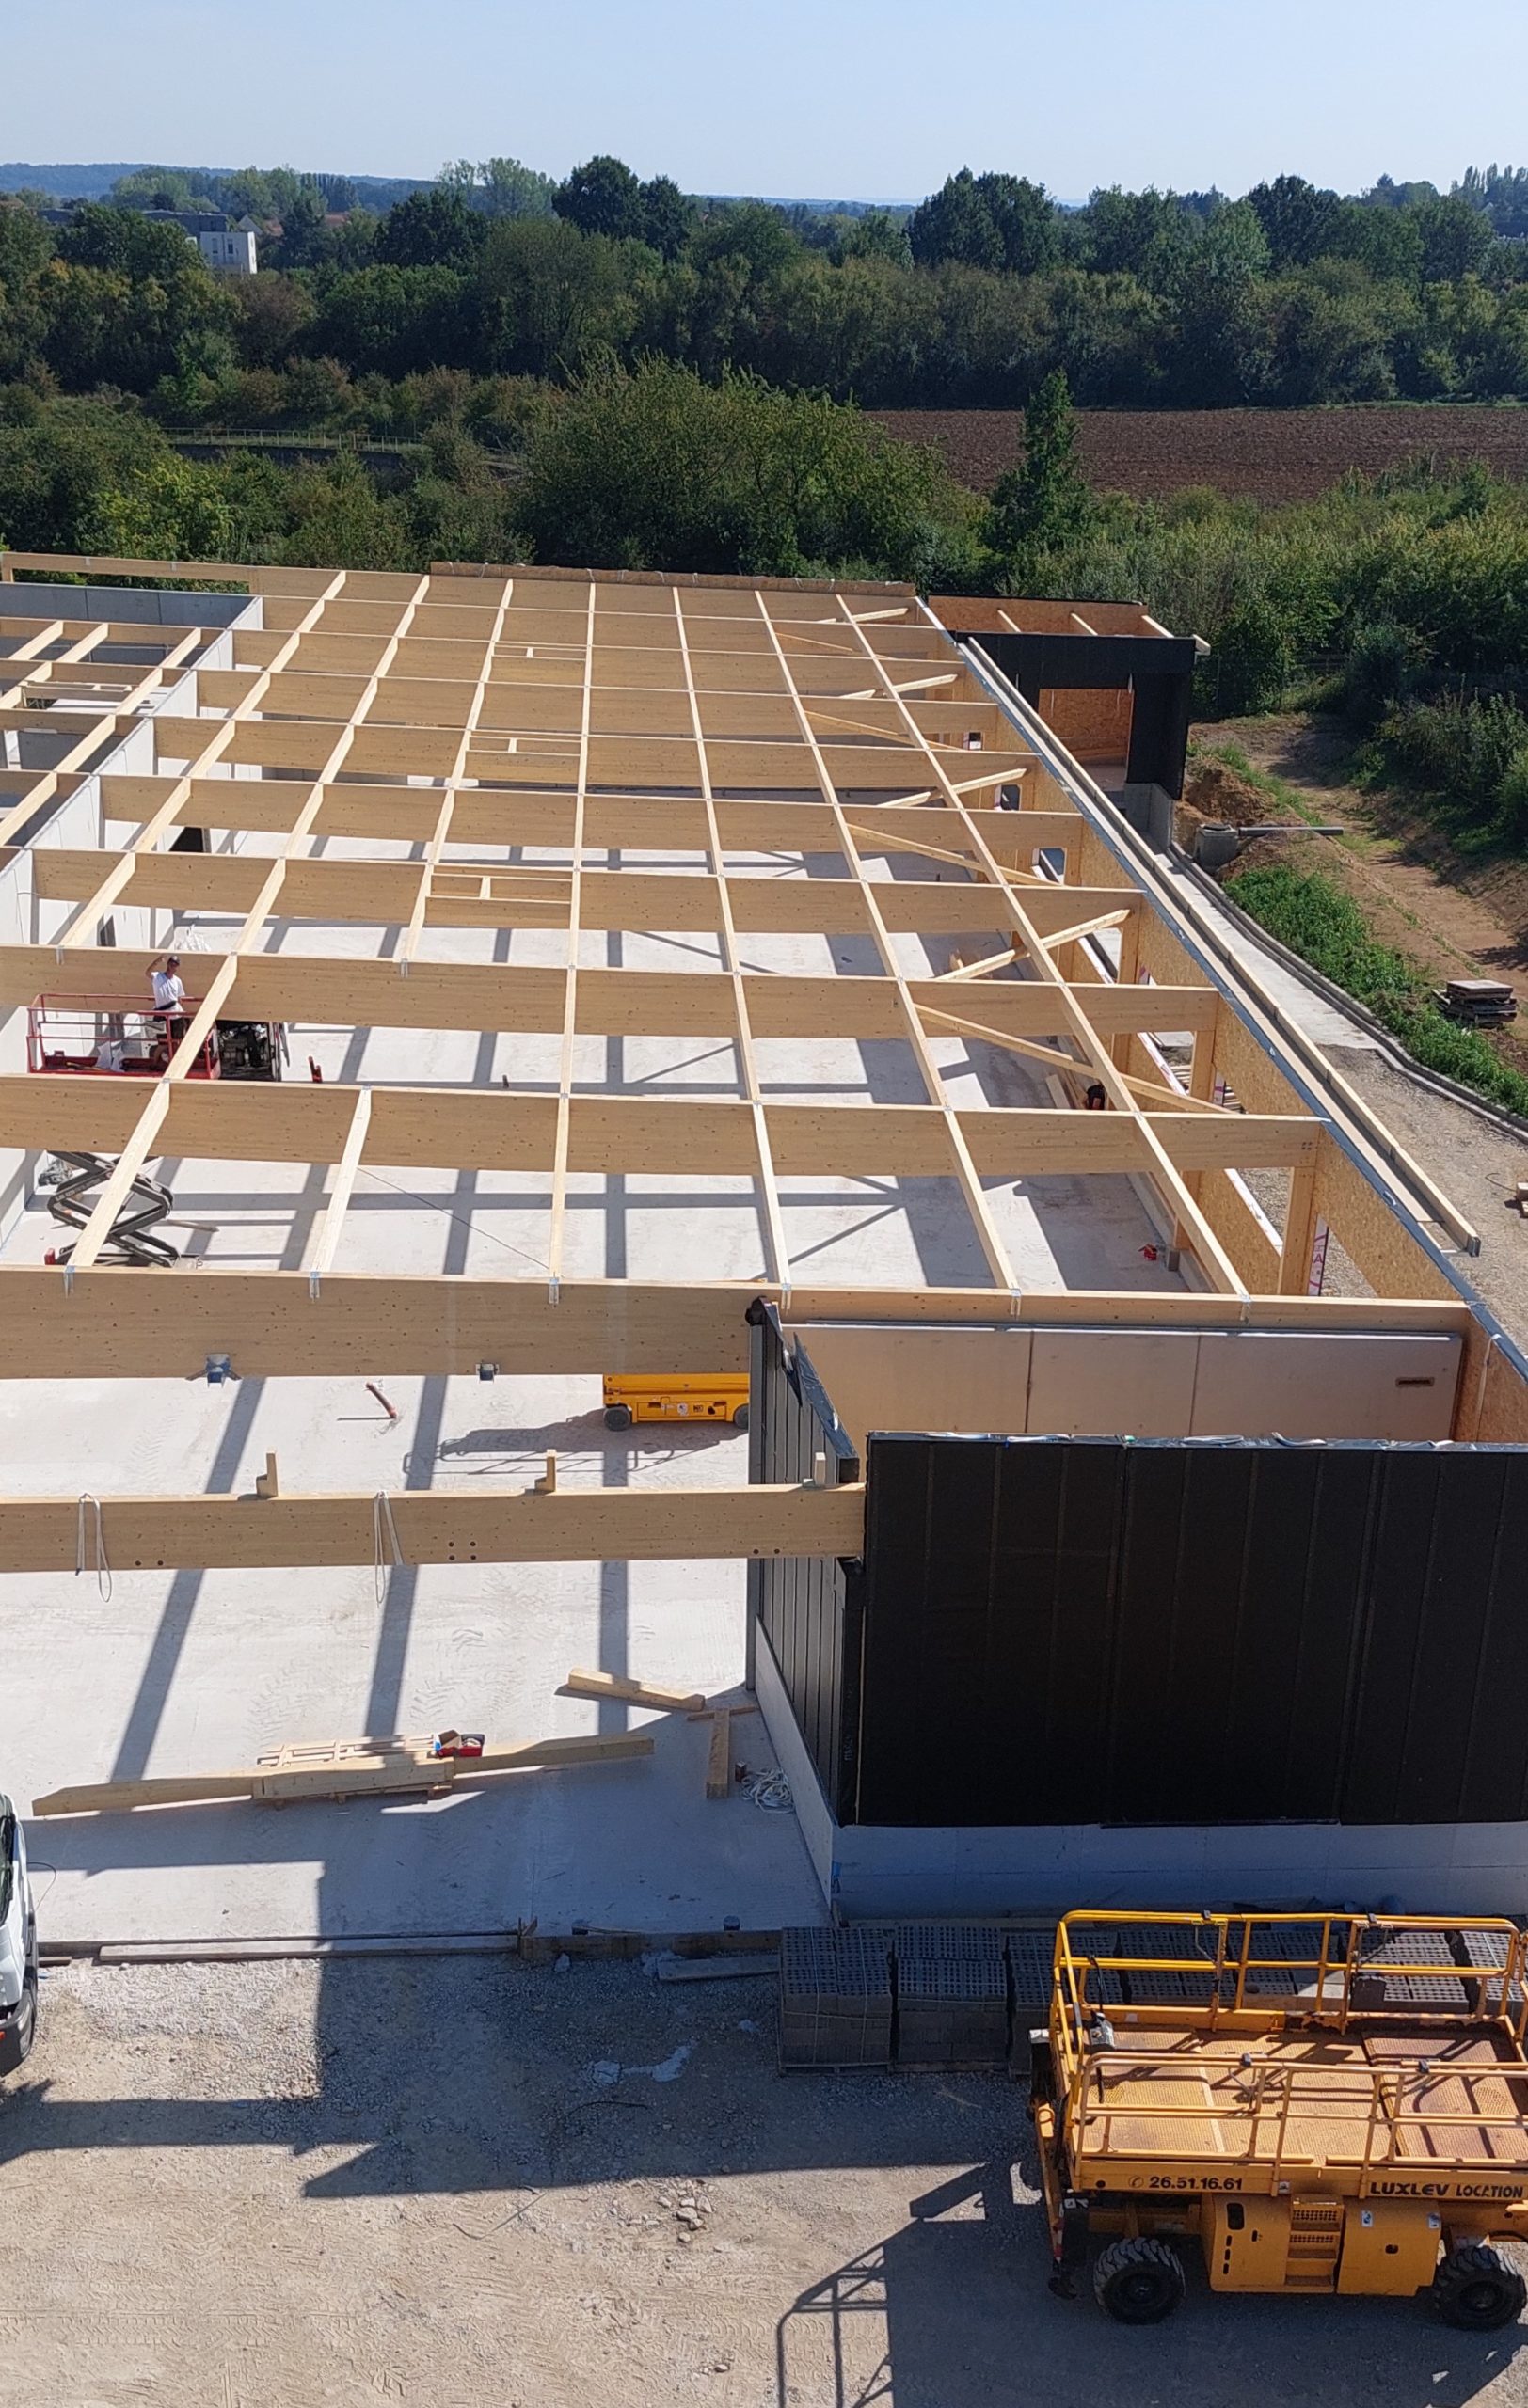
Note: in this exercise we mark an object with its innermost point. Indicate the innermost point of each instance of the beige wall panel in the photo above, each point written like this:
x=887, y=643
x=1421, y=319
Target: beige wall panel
x=1108, y=1383
x=921, y=1379
x=1253, y=1383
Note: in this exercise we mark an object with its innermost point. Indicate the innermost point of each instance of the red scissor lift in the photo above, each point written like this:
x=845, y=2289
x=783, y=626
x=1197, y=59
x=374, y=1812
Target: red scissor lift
x=103, y=1036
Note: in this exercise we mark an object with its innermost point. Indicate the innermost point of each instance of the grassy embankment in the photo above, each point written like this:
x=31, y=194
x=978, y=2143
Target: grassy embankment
x=1311, y=915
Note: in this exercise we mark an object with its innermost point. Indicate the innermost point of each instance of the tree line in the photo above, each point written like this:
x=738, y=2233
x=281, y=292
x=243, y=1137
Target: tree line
x=1290, y=295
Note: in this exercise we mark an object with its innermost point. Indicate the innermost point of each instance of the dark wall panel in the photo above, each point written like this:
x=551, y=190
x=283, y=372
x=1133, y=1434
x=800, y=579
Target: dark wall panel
x=807, y=1609
x=1086, y=1630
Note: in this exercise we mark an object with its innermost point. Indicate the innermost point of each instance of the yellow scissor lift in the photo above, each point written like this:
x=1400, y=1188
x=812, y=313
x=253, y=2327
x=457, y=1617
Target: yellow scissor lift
x=1332, y=2103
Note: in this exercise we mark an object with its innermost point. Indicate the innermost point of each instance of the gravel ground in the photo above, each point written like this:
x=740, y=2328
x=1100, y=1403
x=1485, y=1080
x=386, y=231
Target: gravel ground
x=401, y=2179
x=1475, y=1164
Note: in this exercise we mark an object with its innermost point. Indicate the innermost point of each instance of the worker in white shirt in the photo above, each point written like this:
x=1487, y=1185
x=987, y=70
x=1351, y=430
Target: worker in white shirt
x=169, y=994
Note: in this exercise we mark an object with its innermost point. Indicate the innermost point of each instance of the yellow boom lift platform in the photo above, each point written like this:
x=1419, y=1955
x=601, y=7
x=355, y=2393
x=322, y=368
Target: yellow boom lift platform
x=1329, y=2103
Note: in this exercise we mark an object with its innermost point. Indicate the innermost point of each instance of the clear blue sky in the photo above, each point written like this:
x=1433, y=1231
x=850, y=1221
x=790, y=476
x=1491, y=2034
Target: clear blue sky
x=863, y=98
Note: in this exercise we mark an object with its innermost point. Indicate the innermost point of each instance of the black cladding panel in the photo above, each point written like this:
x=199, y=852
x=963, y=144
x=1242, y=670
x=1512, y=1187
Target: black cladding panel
x=1192, y=1631
x=805, y=1608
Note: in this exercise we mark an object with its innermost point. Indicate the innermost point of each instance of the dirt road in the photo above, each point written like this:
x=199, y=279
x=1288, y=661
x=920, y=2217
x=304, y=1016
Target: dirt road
x=426, y=2179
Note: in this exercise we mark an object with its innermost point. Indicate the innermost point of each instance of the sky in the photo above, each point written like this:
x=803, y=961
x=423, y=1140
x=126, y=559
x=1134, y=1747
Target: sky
x=857, y=100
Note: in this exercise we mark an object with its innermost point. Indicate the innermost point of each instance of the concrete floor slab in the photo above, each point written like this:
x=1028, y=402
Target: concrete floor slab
x=154, y=1673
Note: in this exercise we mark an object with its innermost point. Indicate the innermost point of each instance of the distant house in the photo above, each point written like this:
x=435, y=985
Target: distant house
x=225, y=244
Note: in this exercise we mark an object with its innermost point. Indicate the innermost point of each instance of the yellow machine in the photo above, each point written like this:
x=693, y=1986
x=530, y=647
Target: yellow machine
x=1329, y=2103
x=677, y=1397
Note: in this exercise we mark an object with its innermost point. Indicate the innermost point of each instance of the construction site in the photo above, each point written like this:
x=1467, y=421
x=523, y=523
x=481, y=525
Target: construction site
x=657, y=1273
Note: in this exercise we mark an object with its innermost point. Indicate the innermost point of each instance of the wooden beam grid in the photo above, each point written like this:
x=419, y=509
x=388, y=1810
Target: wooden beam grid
x=777, y=1250
x=508, y=732
x=1194, y=1228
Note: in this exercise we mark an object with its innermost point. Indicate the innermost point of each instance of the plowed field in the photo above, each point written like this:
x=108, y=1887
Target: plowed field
x=1274, y=455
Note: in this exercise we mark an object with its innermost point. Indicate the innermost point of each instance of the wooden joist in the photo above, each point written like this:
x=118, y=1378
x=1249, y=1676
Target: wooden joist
x=495, y=1526
x=357, y=1769
x=618, y=1688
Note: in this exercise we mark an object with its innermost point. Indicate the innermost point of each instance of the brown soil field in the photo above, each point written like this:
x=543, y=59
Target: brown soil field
x=1271, y=455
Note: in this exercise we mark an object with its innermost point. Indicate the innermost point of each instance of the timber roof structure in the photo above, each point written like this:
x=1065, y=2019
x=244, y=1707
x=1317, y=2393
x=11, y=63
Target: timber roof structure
x=549, y=808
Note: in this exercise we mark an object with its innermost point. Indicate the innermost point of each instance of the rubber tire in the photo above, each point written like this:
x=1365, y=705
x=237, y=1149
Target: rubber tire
x=617, y=1416
x=18, y=2046
x=1476, y=2291
x=1138, y=2282
x=740, y=1417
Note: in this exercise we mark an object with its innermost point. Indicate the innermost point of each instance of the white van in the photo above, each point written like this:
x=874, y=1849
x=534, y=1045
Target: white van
x=17, y=1944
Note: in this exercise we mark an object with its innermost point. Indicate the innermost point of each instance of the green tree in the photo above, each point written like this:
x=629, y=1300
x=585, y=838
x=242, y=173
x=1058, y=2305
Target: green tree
x=1298, y=221
x=1220, y=353
x=128, y=301
x=249, y=193
x=389, y=320
x=667, y=216
x=25, y=248
x=549, y=296
x=273, y=313
x=164, y=188
x=1146, y=235
x=1023, y=216
x=1385, y=241
x=431, y=229
x=1455, y=239
x=602, y=196
x=875, y=234
x=955, y=223
x=993, y=221
x=507, y=189
x=659, y=470
x=304, y=239
x=1044, y=501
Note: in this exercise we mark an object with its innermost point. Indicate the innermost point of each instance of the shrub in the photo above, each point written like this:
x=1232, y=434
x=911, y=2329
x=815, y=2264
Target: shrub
x=657, y=469
x=1316, y=920
x=1382, y=667
x=1460, y=748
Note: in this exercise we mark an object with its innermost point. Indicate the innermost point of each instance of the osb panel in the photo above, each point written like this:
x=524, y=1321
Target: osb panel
x=1387, y=1254
x=1238, y=1229
x=1504, y=1399
x=1093, y=722
x=1259, y=1084
x=1160, y=951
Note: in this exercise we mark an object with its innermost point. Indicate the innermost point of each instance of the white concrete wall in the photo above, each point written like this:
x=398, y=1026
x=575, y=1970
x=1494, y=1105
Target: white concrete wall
x=879, y=1871
x=1410, y=1868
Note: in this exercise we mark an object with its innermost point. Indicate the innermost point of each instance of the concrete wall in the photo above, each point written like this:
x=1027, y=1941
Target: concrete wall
x=153, y=606
x=876, y=1871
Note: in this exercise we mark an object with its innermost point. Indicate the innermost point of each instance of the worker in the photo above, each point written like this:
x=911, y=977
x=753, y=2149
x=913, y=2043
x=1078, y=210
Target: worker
x=169, y=994
x=1095, y=1100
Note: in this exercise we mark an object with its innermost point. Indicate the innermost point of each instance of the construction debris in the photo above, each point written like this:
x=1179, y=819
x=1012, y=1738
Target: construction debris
x=616, y=1686
x=344, y=1768
x=669, y=1968
x=1478, y=1003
